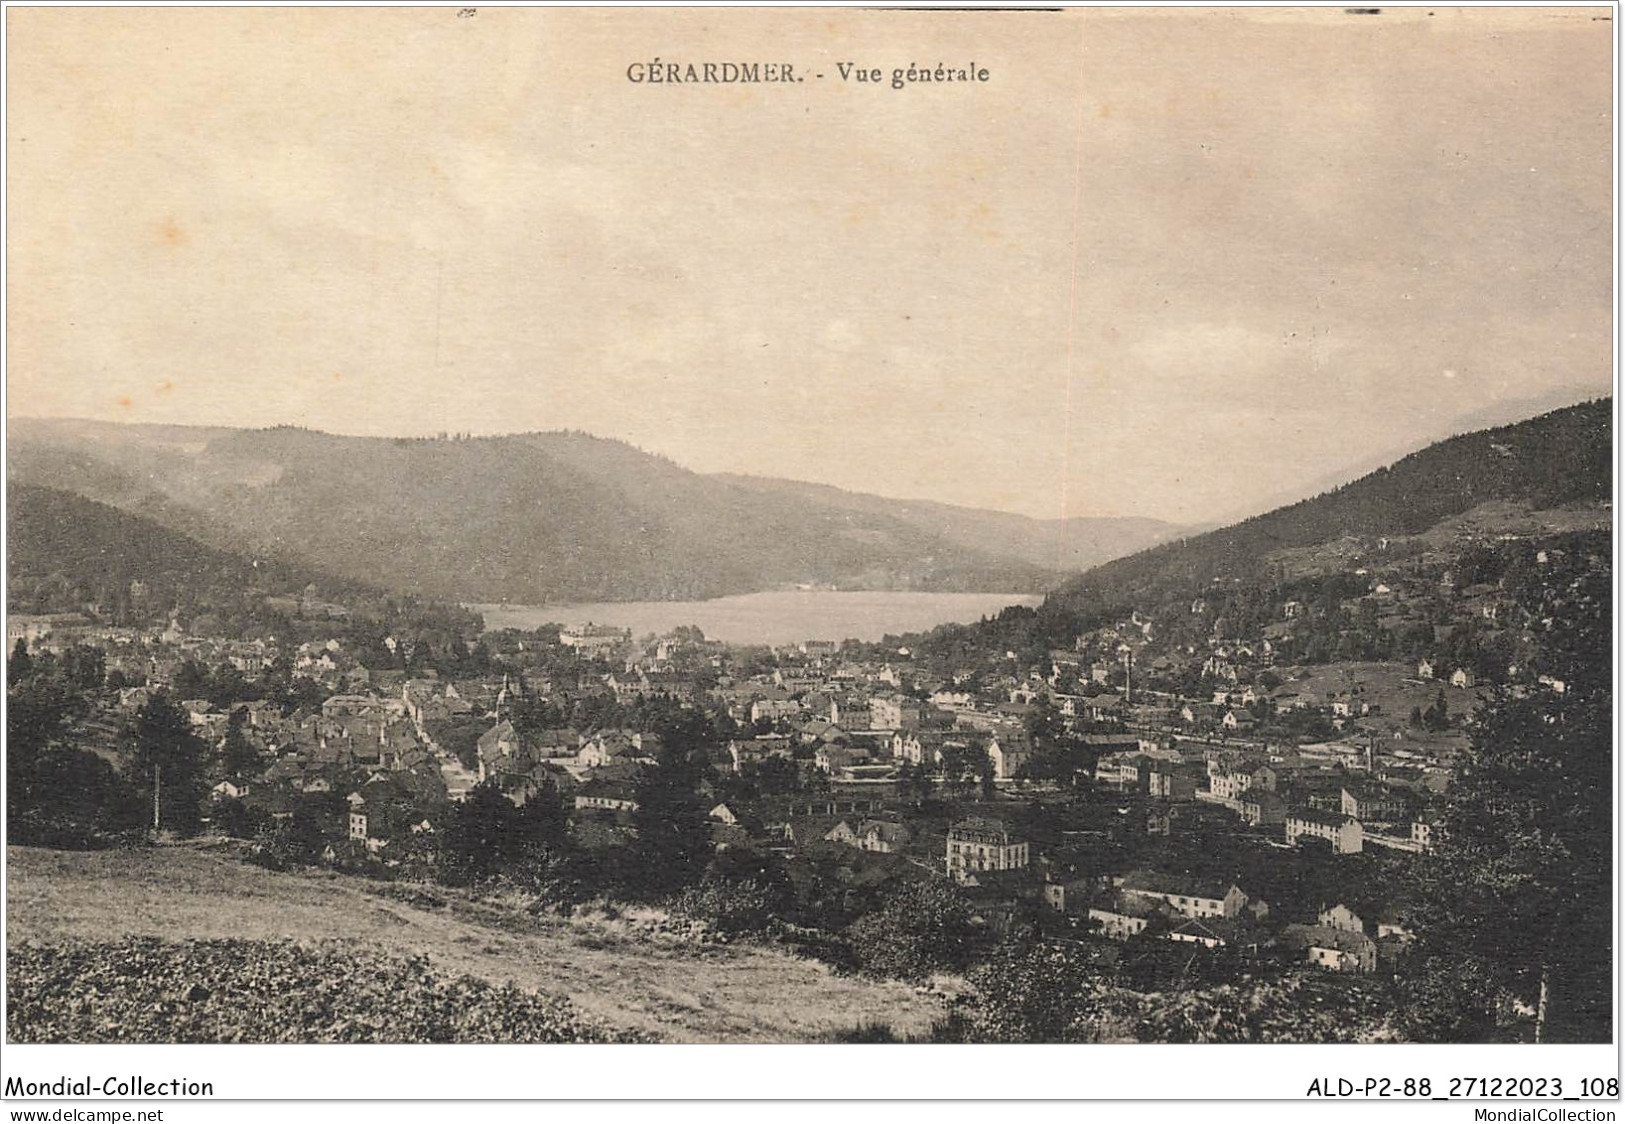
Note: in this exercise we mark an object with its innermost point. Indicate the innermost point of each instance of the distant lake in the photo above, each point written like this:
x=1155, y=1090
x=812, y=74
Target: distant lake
x=771, y=618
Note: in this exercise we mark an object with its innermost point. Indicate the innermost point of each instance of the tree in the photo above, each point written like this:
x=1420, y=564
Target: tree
x=672, y=823
x=914, y=782
x=239, y=757
x=276, y=681
x=985, y=776
x=544, y=825
x=478, y=834
x=168, y=760
x=76, y=799
x=776, y=776
x=85, y=667
x=295, y=841
x=765, y=871
x=533, y=714
x=21, y=664
x=191, y=680
x=1042, y=724
x=963, y=767
x=1437, y=716
x=238, y=820
x=1305, y=1007
x=57, y=795
x=1519, y=890
x=742, y=891
x=489, y=836
x=38, y=710
x=227, y=686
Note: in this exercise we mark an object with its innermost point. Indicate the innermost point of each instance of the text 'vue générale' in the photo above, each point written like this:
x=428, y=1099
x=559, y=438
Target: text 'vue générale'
x=664, y=72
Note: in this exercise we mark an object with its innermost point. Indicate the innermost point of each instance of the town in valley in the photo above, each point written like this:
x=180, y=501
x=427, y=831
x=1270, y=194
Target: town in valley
x=1236, y=781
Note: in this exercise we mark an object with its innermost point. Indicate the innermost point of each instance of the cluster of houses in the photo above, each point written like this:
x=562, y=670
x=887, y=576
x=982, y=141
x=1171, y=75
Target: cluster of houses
x=1219, y=914
x=1303, y=797
x=841, y=737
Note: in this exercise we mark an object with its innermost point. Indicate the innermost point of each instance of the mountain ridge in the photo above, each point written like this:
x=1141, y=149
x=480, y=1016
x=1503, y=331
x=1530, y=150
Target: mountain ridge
x=1074, y=543
x=525, y=518
x=566, y=516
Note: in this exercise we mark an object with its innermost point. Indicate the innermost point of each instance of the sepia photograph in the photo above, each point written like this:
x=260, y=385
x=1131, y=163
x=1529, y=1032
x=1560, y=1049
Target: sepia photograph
x=818, y=526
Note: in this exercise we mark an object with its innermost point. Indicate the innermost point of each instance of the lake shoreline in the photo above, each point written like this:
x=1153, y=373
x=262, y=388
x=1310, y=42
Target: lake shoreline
x=778, y=617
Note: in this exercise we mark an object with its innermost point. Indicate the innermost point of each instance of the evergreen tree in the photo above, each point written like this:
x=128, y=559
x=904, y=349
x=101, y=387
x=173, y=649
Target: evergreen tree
x=672, y=818
x=21, y=664
x=482, y=835
x=488, y=836
x=544, y=825
x=37, y=713
x=191, y=680
x=85, y=667
x=239, y=757
x=167, y=762
x=1043, y=725
x=914, y=782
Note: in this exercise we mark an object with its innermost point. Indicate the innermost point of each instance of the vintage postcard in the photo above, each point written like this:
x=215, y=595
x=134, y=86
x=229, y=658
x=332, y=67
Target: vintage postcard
x=1069, y=528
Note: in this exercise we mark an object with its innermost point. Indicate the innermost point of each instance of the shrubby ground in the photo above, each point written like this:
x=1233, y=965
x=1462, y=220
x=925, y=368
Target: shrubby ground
x=145, y=989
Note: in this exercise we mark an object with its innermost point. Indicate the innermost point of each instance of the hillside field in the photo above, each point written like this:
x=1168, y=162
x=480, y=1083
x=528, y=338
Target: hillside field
x=653, y=983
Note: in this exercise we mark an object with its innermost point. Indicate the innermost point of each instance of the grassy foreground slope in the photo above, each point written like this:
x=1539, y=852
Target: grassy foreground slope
x=651, y=983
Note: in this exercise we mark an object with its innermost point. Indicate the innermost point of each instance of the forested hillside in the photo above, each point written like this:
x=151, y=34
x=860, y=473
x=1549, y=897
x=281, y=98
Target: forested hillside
x=67, y=554
x=528, y=518
x=1560, y=458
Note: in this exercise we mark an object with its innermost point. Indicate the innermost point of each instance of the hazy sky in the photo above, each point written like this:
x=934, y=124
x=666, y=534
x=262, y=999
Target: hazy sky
x=1174, y=263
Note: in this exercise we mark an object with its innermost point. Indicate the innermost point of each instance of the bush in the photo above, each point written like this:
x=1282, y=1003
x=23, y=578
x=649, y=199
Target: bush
x=1047, y=992
x=232, y=817
x=924, y=927
x=1302, y=1008
x=287, y=843
x=1056, y=993
x=735, y=908
x=867, y=1033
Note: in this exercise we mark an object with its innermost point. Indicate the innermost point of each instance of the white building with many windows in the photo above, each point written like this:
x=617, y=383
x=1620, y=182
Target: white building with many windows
x=979, y=844
x=1344, y=833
